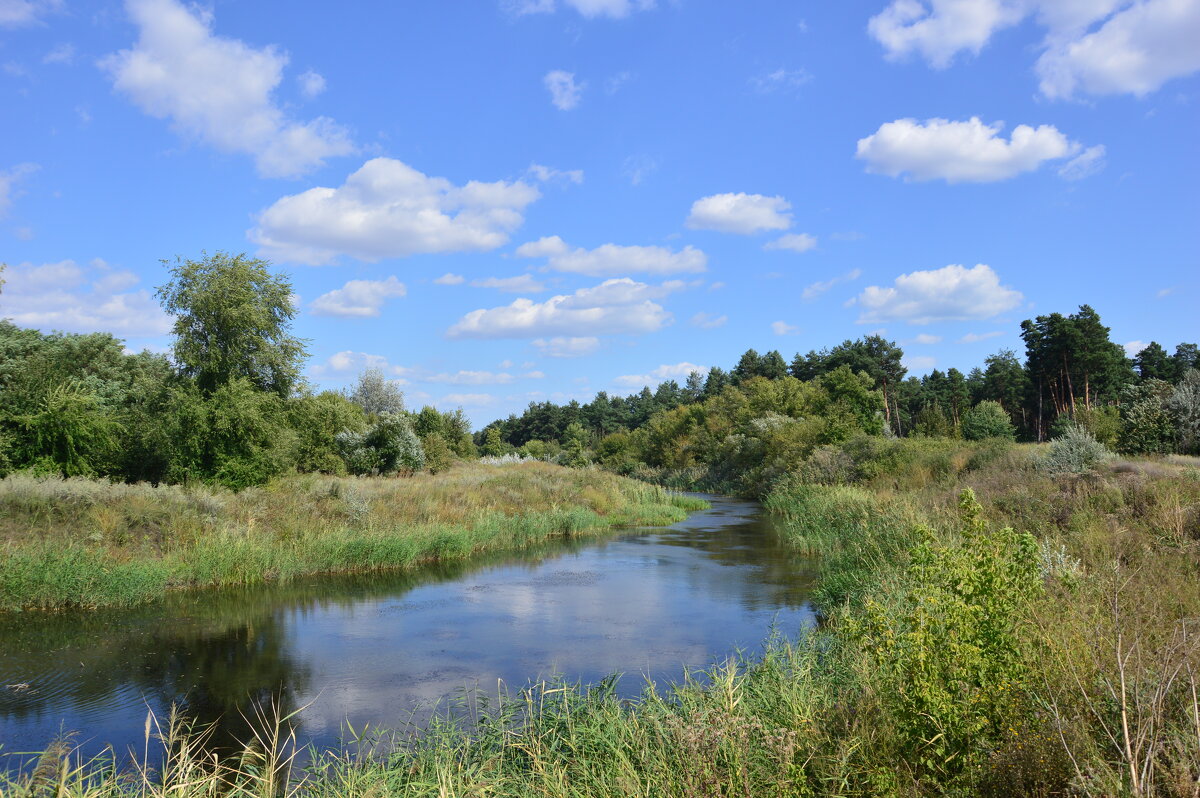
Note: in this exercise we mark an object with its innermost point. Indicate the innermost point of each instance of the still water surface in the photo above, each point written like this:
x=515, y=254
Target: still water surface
x=388, y=648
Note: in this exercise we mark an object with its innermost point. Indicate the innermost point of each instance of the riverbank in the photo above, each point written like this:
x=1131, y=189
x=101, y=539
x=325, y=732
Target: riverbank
x=993, y=630
x=88, y=543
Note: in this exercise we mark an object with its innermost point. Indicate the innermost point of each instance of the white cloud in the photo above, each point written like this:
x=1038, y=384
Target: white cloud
x=1135, y=51
x=14, y=13
x=814, y=290
x=72, y=298
x=567, y=346
x=387, y=209
x=708, y=321
x=926, y=339
x=546, y=174
x=794, y=242
x=453, y=400
x=783, y=328
x=1090, y=46
x=350, y=362
x=780, y=80
x=1164, y=292
x=614, y=306
x=740, y=213
x=616, y=9
x=59, y=54
x=1086, y=164
x=8, y=180
x=521, y=284
x=610, y=259
x=1133, y=347
x=450, y=278
x=960, y=151
x=311, y=83
x=918, y=362
x=940, y=29
x=218, y=90
x=565, y=93
x=676, y=371
x=614, y=83
x=972, y=338
x=358, y=299
x=952, y=293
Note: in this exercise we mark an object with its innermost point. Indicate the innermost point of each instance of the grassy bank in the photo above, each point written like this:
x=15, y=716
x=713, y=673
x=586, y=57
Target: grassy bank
x=89, y=543
x=993, y=630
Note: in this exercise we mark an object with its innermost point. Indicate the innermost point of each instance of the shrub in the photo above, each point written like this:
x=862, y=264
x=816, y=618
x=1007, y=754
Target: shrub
x=987, y=420
x=1074, y=452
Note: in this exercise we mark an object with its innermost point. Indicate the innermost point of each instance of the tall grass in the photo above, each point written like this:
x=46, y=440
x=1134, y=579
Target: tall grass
x=992, y=630
x=85, y=543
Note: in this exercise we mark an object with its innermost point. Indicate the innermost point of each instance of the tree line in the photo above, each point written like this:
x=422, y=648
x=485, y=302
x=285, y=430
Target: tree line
x=229, y=406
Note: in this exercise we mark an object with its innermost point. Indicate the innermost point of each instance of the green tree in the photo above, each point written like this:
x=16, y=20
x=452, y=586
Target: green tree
x=1153, y=363
x=1184, y=407
x=438, y=454
x=574, y=441
x=747, y=367
x=493, y=446
x=232, y=320
x=72, y=429
x=987, y=420
x=773, y=366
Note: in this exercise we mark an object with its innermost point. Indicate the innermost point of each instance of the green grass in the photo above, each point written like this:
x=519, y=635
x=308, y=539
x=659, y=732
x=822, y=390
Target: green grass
x=81, y=543
x=957, y=658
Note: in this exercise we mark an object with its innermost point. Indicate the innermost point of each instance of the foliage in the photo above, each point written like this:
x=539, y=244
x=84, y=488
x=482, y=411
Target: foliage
x=439, y=456
x=71, y=428
x=1184, y=406
x=376, y=394
x=987, y=420
x=1074, y=452
x=232, y=320
x=1146, y=423
x=386, y=447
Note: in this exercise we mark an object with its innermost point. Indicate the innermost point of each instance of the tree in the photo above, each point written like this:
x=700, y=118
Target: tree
x=878, y=357
x=232, y=320
x=573, y=446
x=987, y=420
x=1153, y=363
x=493, y=446
x=72, y=429
x=772, y=366
x=387, y=447
x=1184, y=406
x=1186, y=357
x=748, y=366
x=376, y=394
x=693, y=389
x=1146, y=423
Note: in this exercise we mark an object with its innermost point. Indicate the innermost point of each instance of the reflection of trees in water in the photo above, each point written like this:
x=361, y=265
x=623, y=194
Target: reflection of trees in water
x=215, y=653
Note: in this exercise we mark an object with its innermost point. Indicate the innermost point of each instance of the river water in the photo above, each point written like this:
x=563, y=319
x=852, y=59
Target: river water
x=389, y=649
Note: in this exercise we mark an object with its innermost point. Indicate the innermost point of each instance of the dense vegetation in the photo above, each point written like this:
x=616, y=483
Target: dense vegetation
x=1001, y=618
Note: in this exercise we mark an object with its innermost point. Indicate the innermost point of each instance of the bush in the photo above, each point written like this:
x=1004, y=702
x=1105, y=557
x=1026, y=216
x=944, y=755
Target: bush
x=1075, y=452
x=987, y=420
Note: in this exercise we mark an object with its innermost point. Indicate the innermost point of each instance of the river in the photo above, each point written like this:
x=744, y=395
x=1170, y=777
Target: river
x=388, y=649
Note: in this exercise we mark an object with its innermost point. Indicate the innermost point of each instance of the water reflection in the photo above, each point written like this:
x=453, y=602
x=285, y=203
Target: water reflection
x=386, y=648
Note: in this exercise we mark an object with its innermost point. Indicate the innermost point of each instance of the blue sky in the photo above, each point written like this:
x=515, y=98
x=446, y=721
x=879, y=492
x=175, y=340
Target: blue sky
x=502, y=201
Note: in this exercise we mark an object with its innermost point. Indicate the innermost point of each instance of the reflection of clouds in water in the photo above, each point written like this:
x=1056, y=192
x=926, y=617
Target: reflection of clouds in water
x=377, y=649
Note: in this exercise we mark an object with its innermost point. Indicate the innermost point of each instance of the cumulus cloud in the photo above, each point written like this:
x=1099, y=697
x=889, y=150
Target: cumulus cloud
x=952, y=293
x=614, y=306
x=8, y=181
x=565, y=93
x=521, y=284
x=218, y=90
x=793, y=242
x=60, y=54
x=349, y=362
x=675, y=371
x=708, y=321
x=387, y=209
x=814, y=290
x=958, y=152
x=1085, y=164
x=562, y=346
x=1135, y=51
x=1090, y=46
x=450, y=278
x=468, y=378
x=358, y=299
x=80, y=299
x=926, y=339
x=740, y=213
x=783, y=328
x=610, y=259
x=615, y=9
